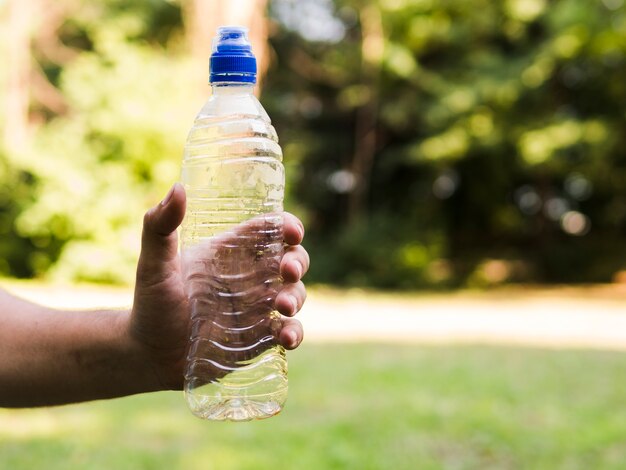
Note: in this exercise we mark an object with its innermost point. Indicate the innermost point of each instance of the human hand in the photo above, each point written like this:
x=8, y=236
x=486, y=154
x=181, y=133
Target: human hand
x=159, y=322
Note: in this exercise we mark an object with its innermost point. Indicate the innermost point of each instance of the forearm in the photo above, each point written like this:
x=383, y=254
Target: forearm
x=50, y=357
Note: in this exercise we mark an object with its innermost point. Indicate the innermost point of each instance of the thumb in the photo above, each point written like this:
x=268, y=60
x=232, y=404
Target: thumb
x=159, y=241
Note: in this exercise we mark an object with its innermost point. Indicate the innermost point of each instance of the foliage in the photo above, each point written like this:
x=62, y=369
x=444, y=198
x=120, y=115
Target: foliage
x=495, y=129
x=500, y=134
x=96, y=169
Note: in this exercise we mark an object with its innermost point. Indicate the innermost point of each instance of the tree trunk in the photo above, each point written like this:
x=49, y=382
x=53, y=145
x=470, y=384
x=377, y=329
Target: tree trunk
x=27, y=29
x=18, y=69
x=203, y=17
x=372, y=48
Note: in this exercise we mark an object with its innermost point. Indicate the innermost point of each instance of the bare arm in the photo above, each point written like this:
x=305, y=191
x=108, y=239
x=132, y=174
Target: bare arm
x=50, y=357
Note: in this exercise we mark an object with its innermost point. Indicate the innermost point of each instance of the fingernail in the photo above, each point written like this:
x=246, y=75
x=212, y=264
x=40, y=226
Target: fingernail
x=299, y=268
x=301, y=230
x=294, y=303
x=168, y=196
x=293, y=339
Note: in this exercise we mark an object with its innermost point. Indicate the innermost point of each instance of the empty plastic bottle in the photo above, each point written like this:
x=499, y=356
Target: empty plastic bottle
x=232, y=244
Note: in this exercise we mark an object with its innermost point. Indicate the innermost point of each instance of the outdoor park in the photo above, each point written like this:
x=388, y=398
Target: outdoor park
x=459, y=166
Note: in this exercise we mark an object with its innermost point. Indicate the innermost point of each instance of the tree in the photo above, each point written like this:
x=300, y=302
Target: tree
x=18, y=72
x=203, y=17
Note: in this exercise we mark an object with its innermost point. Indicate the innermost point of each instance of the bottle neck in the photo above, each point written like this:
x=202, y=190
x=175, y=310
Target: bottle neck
x=232, y=88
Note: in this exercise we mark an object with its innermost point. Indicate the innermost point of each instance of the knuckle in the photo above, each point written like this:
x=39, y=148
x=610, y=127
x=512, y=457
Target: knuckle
x=147, y=217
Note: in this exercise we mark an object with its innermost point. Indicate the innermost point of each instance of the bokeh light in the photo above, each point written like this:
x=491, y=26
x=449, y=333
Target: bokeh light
x=575, y=223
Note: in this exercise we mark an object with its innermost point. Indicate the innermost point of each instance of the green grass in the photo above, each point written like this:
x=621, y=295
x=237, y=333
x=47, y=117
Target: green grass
x=360, y=407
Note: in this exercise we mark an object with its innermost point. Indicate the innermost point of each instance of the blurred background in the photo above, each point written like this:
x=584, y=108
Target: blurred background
x=429, y=146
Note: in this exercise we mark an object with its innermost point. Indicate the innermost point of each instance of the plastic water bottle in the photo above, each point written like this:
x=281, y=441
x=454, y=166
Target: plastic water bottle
x=232, y=244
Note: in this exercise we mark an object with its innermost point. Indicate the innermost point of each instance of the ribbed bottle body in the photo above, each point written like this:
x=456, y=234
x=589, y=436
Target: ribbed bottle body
x=231, y=248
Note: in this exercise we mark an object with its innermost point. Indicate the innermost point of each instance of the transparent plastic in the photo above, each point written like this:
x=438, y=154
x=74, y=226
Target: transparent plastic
x=231, y=247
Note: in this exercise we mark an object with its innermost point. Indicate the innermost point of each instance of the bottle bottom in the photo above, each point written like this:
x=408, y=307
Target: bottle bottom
x=208, y=403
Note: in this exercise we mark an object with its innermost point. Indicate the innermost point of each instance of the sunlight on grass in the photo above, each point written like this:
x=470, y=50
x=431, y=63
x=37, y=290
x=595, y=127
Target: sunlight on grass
x=70, y=296
x=368, y=406
x=48, y=422
x=29, y=424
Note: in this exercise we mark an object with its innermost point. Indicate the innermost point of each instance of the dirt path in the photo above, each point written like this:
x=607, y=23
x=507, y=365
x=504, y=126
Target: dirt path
x=593, y=317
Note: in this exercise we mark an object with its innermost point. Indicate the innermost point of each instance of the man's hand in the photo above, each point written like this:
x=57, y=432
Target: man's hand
x=159, y=322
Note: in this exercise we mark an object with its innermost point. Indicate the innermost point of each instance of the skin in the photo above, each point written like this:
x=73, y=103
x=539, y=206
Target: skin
x=52, y=357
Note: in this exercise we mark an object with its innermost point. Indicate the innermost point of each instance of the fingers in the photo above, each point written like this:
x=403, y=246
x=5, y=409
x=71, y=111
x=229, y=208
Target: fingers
x=295, y=263
x=291, y=298
x=159, y=243
x=165, y=217
x=291, y=334
x=293, y=229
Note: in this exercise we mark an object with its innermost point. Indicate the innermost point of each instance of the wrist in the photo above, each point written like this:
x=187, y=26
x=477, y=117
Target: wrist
x=138, y=358
x=161, y=363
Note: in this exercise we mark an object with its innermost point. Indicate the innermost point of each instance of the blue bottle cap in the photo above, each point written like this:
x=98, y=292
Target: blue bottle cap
x=232, y=59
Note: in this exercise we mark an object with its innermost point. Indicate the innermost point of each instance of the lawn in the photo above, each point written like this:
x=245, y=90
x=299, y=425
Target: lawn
x=360, y=406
